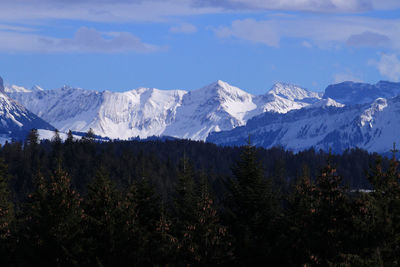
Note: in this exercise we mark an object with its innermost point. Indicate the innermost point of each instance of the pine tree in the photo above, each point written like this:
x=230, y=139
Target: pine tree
x=386, y=198
x=254, y=209
x=141, y=215
x=299, y=220
x=52, y=223
x=89, y=136
x=70, y=137
x=185, y=195
x=6, y=215
x=103, y=214
x=330, y=218
x=33, y=138
x=165, y=244
x=205, y=240
x=31, y=149
x=56, y=144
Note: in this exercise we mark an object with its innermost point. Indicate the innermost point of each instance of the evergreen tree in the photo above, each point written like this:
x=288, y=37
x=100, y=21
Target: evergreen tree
x=165, y=244
x=185, y=196
x=328, y=218
x=299, y=220
x=33, y=138
x=386, y=197
x=89, y=136
x=6, y=215
x=52, y=223
x=141, y=215
x=103, y=213
x=31, y=150
x=56, y=144
x=70, y=137
x=206, y=241
x=254, y=209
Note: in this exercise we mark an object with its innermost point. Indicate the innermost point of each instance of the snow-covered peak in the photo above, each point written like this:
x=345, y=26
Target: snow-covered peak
x=20, y=89
x=367, y=117
x=16, y=89
x=16, y=120
x=36, y=88
x=222, y=89
x=292, y=92
x=326, y=102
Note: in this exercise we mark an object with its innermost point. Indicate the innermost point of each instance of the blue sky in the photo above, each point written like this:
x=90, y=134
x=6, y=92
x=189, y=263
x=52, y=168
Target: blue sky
x=119, y=45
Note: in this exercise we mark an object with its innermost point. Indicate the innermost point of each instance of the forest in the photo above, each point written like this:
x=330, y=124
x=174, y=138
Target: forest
x=190, y=203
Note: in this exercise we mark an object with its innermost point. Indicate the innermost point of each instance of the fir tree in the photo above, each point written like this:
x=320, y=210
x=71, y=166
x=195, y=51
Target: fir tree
x=70, y=137
x=386, y=197
x=330, y=215
x=6, y=215
x=89, y=136
x=254, y=209
x=165, y=244
x=185, y=195
x=142, y=213
x=206, y=241
x=299, y=223
x=103, y=213
x=52, y=224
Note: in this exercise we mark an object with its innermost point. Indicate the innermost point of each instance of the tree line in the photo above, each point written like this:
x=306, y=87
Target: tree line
x=178, y=203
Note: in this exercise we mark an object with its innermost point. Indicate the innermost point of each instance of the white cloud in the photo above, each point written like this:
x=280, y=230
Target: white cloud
x=32, y=11
x=346, y=76
x=255, y=31
x=84, y=40
x=389, y=66
x=184, y=28
x=324, y=6
x=6, y=27
x=161, y=10
x=321, y=30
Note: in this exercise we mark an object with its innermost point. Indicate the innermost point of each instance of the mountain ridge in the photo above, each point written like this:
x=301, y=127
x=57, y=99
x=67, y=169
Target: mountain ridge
x=286, y=115
x=146, y=112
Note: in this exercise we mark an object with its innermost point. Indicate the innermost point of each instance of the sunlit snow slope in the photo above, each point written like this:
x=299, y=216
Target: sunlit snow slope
x=15, y=120
x=374, y=127
x=146, y=112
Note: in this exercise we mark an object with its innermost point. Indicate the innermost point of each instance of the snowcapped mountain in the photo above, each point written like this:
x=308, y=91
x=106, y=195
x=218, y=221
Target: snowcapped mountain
x=142, y=112
x=218, y=106
x=293, y=92
x=20, y=89
x=284, y=97
x=146, y=112
x=348, y=115
x=15, y=120
x=351, y=93
x=372, y=126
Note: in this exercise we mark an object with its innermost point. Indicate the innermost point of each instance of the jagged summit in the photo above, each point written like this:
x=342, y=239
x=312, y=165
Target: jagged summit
x=20, y=89
x=292, y=92
x=16, y=121
x=326, y=102
x=148, y=111
x=36, y=88
x=220, y=106
x=222, y=88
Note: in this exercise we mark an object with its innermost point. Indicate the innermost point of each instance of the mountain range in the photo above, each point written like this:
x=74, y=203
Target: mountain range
x=145, y=112
x=346, y=115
